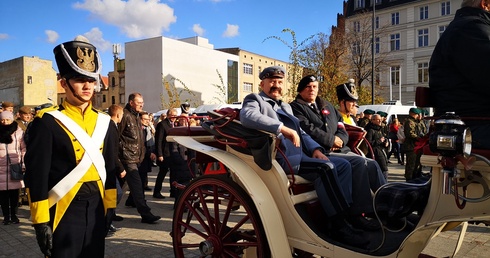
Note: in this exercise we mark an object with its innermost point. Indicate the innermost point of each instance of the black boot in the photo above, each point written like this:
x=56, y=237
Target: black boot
x=6, y=220
x=14, y=219
x=345, y=233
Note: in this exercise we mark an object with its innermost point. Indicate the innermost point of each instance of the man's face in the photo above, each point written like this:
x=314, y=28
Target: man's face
x=25, y=117
x=348, y=107
x=137, y=103
x=82, y=87
x=172, y=115
x=376, y=119
x=145, y=120
x=310, y=92
x=272, y=87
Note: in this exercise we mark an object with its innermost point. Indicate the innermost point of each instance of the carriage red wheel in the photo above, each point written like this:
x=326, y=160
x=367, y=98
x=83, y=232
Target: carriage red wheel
x=206, y=221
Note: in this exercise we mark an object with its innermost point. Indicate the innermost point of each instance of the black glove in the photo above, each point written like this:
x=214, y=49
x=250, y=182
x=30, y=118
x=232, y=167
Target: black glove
x=44, y=236
x=108, y=218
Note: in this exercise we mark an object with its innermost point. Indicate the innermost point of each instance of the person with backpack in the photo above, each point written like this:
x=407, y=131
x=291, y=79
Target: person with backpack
x=393, y=135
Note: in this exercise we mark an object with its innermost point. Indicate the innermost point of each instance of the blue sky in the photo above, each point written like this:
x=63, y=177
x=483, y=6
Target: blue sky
x=35, y=27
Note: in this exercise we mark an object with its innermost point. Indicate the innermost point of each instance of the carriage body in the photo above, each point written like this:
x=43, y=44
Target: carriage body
x=278, y=212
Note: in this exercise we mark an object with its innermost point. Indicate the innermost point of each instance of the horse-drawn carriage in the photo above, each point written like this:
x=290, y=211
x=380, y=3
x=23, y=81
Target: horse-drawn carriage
x=256, y=210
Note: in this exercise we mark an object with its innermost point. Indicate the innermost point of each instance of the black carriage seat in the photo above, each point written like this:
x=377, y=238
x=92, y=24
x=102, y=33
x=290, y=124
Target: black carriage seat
x=227, y=128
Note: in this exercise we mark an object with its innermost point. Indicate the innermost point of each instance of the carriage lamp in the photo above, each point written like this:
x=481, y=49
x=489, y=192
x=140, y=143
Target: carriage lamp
x=451, y=137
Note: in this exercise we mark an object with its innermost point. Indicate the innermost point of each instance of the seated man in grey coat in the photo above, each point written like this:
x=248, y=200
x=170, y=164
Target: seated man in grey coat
x=265, y=111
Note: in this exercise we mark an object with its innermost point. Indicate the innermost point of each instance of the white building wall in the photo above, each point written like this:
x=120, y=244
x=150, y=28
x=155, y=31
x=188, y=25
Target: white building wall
x=410, y=54
x=182, y=64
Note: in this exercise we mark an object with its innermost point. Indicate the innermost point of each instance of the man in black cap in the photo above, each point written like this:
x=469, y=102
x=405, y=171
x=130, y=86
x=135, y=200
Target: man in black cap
x=70, y=161
x=325, y=125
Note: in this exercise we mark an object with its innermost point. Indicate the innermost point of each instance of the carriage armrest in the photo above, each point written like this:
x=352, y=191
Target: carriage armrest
x=188, y=131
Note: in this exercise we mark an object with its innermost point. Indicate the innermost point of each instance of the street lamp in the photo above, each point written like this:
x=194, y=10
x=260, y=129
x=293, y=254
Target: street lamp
x=373, y=51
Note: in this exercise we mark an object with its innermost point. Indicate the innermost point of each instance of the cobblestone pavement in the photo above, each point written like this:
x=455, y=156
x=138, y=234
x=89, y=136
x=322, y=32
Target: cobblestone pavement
x=137, y=239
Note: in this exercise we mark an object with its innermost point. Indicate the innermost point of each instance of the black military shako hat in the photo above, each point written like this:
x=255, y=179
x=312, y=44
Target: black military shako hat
x=78, y=58
x=347, y=91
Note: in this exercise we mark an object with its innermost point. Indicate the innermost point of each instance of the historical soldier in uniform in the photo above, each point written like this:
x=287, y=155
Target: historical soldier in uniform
x=70, y=162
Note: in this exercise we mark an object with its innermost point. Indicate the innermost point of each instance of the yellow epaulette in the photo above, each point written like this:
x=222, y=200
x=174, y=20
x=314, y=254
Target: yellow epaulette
x=41, y=112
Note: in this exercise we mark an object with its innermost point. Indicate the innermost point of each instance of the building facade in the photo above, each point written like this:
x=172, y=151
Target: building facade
x=249, y=67
x=28, y=81
x=411, y=29
x=168, y=71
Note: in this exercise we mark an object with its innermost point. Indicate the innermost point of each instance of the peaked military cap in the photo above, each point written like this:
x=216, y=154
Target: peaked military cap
x=272, y=72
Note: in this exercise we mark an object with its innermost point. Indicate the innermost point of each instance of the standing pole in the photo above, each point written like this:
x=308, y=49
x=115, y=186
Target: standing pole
x=373, y=52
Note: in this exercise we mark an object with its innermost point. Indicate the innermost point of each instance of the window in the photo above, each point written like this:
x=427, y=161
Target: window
x=359, y=4
x=395, y=18
x=376, y=22
x=357, y=26
x=104, y=99
x=29, y=79
x=395, y=42
x=247, y=86
x=122, y=83
x=376, y=45
x=446, y=8
x=248, y=69
x=395, y=75
x=356, y=49
x=423, y=72
x=113, y=82
x=424, y=12
x=113, y=100
x=442, y=29
x=122, y=100
x=423, y=35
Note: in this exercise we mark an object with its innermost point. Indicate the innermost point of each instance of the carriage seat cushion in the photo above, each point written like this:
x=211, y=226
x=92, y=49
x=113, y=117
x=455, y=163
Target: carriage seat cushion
x=245, y=140
x=398, y=200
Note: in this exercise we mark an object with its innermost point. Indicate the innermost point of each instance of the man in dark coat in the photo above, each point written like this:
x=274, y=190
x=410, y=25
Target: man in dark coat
x=131, y=153
x=324, y=124
x=379, y=142
x=163, y=154
x=458, y=66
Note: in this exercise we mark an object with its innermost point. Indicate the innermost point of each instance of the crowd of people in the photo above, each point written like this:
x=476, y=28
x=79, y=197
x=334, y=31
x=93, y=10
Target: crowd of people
x=75, y=161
